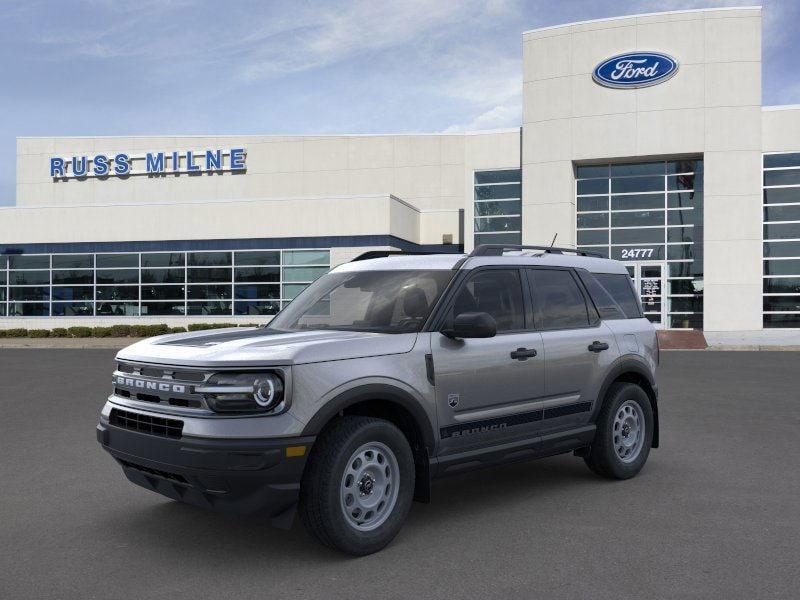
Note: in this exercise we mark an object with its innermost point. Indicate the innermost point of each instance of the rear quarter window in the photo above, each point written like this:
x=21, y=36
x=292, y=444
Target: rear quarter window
x=612, y=294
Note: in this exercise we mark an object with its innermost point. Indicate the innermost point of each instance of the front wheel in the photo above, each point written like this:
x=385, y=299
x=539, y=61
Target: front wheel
x=624, y=433
x=358, y=486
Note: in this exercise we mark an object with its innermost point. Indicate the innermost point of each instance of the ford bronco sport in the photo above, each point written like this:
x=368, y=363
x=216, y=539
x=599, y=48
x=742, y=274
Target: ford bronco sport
x=385, y=374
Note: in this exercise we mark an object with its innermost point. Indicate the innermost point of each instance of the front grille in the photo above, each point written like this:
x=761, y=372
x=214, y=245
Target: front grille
x=159, y=372
x=169, y=428
x=160, y=385
x=157, y=472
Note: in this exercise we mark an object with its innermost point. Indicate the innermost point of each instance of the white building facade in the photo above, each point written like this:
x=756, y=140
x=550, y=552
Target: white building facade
x=664, y=158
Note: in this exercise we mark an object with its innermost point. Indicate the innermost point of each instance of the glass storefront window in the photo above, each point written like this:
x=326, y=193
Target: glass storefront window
x=781, y=248
x=209, y=259
x=163, y=309
x=163, y=275
x=257, y=274
x=256, y=258
x=497, y=207
x=116, y=261
x=32, y=261
x=73, y=261
x=72, y=309
x=156, y=283
x=117, y=276
x=208, y=292
x=208, y=308
x=117, y=309
x=163, y=292
x=257, y=292
x=29, y=277
x=500, y=176
x=68, y=292
x=648, y=212
x=117, y=292
x=163, y=259
x=256, y=308
x=303, y=274
x=29, y=293
x=213, y=275
x=73, y=277
x=306, y=257
x=28, y=309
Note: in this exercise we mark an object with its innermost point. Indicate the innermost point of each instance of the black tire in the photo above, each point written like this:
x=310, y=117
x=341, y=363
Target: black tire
x=320, y=506
x=602, y=457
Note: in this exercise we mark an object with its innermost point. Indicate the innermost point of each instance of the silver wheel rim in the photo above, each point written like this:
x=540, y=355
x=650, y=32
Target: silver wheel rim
x=369, y=487
x=628, y=431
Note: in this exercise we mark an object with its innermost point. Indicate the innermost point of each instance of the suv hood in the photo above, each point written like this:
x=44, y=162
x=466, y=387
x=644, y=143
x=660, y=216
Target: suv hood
x=256, y=346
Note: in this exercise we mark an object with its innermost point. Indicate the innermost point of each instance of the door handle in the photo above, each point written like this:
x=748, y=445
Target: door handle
x=597, y=346
x=523, y=353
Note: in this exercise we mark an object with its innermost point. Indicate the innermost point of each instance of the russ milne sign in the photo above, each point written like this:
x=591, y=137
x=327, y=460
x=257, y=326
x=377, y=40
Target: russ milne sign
x=151, y=163
x=635, y=70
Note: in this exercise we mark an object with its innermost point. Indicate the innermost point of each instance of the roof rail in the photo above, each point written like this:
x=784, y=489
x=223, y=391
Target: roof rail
x=498, y=249
x=384, y=253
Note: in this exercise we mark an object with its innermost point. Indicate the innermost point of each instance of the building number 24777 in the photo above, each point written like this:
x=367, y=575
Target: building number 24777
x=637, y=252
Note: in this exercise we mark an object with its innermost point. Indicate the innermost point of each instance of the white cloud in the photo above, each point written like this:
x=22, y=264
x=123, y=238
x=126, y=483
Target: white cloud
x=326, y=36
x=497, y=117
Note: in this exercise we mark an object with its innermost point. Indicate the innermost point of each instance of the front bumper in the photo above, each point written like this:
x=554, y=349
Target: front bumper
x=246, y=477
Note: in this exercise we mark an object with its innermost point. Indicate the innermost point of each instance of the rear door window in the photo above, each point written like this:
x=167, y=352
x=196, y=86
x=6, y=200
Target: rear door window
x=620, y=288
x=602, y=299
x=559, y=302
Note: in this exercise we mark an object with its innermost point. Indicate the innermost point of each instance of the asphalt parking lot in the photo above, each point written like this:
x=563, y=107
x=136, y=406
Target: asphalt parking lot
x=714, y=514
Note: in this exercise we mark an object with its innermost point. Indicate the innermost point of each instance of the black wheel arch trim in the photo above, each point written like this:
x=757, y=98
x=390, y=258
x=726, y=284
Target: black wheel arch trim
x=368, y=392
x=622, y=366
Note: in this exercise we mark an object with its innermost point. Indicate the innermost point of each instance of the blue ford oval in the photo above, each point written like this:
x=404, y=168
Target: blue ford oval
x=635, y=70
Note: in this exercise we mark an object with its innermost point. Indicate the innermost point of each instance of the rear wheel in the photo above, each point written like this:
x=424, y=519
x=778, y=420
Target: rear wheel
x=358, y=486
x=624, y=433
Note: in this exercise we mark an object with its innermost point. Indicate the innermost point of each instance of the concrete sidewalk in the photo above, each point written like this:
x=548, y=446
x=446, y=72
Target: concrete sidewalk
x=765, y=339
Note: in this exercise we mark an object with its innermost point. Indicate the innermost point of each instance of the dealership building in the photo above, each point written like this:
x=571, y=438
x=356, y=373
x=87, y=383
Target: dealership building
x=643, y=138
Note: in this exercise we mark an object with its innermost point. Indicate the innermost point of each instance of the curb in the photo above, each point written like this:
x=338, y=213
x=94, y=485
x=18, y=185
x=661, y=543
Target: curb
x=68, y=343
x=755, y=347
x=737, y=348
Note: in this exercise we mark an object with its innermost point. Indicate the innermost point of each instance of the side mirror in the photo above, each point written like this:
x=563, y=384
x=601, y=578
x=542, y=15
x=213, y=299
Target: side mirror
x=472, y=325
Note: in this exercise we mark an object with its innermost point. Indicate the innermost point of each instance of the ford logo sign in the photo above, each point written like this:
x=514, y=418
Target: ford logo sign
x=635, y=70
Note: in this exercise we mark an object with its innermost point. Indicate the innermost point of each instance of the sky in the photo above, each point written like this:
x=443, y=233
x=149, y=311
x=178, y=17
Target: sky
x=172, y=67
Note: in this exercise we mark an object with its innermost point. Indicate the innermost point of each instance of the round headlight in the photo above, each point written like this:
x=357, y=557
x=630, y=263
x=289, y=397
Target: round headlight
x=243, y=392
x=268, y=391
x=264, y=392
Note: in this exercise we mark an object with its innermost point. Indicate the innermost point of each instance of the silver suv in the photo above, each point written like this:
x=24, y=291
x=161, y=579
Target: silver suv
x=386, y=373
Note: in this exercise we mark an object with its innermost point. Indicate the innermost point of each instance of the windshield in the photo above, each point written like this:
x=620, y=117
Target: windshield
x=379, y=301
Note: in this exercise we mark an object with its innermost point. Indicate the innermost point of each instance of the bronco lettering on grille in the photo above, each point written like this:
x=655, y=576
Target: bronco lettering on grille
x=144, y=384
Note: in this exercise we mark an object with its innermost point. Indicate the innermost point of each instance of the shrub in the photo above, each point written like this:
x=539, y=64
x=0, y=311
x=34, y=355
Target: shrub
x=160, y=329
x=149, y=330
x=59, y=332
x=38, y=333
x=203, y=326
x=120, y=330
x=138, y=330
x=101, y=332
x=16, y=332
x=177, y=329
x=80, y=332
